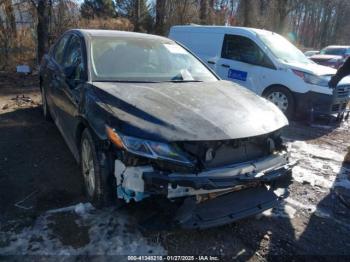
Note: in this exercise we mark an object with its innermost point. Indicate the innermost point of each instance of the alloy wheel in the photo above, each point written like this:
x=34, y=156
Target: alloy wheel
x=44, y=102
x=88, y=167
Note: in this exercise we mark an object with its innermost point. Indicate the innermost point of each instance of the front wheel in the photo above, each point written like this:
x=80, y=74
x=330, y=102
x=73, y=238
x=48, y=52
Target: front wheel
x=282, y=98
x=95, y=172
x=45, y=107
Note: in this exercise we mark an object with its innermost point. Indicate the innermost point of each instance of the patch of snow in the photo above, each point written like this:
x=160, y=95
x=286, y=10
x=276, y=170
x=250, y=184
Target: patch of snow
x=110, y=232
x=297, y=204
x=303, y=175
x=317, y=166
x=284, y=211
x=314, y=151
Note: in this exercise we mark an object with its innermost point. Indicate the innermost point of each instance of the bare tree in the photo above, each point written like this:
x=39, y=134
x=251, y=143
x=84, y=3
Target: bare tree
x=160, y=17
x=42, y=28
x=247, y=12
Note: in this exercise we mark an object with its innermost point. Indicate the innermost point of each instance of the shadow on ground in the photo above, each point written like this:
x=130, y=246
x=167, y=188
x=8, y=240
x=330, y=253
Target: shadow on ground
x=35, y=164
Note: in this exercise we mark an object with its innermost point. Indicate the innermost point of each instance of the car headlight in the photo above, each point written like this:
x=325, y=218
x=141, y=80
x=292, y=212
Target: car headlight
x=147, y=148
x=313, y=79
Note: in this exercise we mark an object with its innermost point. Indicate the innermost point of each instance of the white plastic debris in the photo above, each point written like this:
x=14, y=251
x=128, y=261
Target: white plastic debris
x=82, y=209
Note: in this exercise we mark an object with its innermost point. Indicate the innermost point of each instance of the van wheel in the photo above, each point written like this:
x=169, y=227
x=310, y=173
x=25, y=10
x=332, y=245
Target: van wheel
x=95, y=172
x=282, y=98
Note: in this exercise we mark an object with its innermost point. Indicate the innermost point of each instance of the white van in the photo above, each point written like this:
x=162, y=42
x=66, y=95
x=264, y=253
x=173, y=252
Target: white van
x=267, y=64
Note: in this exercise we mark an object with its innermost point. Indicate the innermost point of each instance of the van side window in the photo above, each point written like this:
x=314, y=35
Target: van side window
x=243, y=49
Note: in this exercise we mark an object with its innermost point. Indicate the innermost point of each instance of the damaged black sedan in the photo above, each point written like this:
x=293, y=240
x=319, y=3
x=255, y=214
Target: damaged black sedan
x=146, y=119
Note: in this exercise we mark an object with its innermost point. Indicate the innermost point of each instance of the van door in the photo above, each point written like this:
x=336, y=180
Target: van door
x=244, y=62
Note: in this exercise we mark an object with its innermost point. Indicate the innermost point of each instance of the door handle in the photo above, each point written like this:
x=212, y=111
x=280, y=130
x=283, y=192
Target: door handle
x=225, y=65
x=211, y=62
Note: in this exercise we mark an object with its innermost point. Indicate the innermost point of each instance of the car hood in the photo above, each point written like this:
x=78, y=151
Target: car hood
x=192, y=111
x=311, y=68
x=325, y=57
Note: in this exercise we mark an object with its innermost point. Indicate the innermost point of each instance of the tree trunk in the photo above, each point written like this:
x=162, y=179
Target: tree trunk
x=137, y=15
x=160, y=17
x=246, y=12
x=42, y=28
x=203, y=12
x=10, y=17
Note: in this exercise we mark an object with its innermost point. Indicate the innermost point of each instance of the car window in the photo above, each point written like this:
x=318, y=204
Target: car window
x=333, y=51
x=243, y=49
x=59, y=49
x=74, y=57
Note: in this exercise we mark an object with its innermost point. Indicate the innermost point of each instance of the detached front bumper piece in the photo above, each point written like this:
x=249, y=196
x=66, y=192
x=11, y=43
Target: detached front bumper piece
x=226, y=208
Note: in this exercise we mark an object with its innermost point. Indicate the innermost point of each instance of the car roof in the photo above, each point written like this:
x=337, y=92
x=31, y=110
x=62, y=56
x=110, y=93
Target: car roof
x=223, y=29
x=91, y=33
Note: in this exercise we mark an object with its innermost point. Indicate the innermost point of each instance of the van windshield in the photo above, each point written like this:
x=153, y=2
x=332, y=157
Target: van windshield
x=131, y=59
x=283, y=49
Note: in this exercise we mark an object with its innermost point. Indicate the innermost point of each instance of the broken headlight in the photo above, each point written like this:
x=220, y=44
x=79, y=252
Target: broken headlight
x=147, y=148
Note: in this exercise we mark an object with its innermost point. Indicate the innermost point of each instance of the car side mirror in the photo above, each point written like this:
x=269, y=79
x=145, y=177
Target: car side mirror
x=69, y=71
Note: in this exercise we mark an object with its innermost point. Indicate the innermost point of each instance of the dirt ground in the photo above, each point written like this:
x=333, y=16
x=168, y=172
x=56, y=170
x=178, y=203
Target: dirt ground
x=43, y=211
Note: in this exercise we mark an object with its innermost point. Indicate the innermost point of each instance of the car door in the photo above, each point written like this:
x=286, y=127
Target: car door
x=244, y=62
x=71, y=84
x=52, y=73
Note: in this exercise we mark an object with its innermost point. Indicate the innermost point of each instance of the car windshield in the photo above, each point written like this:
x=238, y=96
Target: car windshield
x=333, y=51
x=283, y=49
x=133, y=59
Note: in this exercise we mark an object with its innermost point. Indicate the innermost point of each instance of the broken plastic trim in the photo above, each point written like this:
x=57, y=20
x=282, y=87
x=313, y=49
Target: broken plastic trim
x=264, y=170
x=139, y=182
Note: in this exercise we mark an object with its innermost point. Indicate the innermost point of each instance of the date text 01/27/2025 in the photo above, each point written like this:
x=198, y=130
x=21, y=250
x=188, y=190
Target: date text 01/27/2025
x=173, y=258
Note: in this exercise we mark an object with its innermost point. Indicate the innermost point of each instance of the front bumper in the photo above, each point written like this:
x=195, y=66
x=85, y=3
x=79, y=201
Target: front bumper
x=213, y=197
x=265, y=170
x=323, y=104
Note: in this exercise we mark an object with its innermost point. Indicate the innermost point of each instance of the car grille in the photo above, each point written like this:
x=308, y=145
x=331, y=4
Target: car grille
x=212, y=154
x=343, y=91
x=338, y=107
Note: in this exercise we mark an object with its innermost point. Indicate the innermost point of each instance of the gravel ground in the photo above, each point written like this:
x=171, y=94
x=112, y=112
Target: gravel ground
x=43, y=211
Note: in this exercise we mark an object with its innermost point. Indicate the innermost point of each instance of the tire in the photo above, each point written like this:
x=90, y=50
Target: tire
x=282, y=98
x=98, y=181
x=45, y=106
